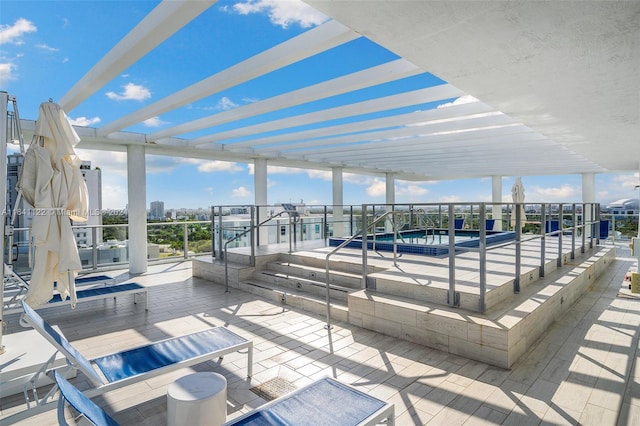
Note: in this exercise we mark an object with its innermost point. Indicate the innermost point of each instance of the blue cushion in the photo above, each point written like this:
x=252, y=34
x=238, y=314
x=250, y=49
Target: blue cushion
x=99, y=291
x=325, y=402
x=164, y=353
x=81, y=403
x=459, y=223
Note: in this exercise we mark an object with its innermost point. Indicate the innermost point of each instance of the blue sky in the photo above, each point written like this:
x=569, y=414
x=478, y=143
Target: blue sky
x=46, y=46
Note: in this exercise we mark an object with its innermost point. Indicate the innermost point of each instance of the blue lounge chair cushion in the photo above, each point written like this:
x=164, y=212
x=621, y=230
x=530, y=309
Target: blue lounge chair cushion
x=80, y=403
x=325, y=402
x=167, y=352
x=459, y=223
x=101, y=291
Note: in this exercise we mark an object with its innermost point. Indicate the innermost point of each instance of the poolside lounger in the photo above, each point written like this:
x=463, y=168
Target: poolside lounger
x=458, y=223
x=137, y=364
x=324, y=402
x=80, y=403
x=87, y=294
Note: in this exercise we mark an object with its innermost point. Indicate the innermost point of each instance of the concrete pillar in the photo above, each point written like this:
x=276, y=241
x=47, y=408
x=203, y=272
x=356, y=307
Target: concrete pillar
x=338, y=201
x=496, y=197
x=137, y=208
x=260, y=188
x=588, y=196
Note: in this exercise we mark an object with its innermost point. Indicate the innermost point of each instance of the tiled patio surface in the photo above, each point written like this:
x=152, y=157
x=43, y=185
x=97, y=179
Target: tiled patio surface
x=583, y=370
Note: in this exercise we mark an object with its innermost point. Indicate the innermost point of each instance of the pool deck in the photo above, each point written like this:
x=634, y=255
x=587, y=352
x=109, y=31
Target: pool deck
x=581, y=371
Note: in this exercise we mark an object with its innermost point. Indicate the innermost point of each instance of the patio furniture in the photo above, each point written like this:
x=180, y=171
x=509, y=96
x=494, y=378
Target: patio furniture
x=83, y=405
x=198, y=399
x=131, y=366
x=324, y=402
x=95, y=293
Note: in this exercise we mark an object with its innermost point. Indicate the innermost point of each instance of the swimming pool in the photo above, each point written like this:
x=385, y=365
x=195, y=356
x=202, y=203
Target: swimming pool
x=416, y=242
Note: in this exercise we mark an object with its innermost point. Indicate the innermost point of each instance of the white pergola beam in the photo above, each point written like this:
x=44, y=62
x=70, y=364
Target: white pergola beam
x=389, y=71
x=397, y=121
x=162, y=22
x=415, y=97
x=319, y=39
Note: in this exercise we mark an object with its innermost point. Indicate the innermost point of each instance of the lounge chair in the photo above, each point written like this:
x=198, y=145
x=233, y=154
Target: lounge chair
x=131, y=366
x=16, y=288
x=324, y=402
x=83, y=405
x=459, y=223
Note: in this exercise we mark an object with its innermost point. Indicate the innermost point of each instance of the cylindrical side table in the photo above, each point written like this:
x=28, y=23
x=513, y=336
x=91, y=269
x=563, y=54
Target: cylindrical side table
x=197, y=399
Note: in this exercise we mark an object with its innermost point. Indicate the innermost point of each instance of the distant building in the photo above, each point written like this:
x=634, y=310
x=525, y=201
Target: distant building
x=84, y=230
x=626, y=206
x=157, y=210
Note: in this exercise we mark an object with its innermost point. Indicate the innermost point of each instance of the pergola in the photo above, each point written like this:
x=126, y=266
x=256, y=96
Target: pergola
x=542, y=88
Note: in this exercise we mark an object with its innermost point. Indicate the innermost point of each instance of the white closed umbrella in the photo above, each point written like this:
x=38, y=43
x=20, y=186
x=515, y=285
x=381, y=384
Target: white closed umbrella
x=52, y=183
x=517, y=193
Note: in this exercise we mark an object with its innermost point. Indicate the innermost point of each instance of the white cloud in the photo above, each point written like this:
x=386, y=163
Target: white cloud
x=321, y=174
x=627, y=180
x=466, y=99
x=154, y=122
x=283, y=13
x=44, y=46
x=84, y=121
x=377, y=188
x=226, y=104
x=6, y=73
x=240, y=192
x=131, y=92
x=13, y=33
x=411, y=190
x=450, y=199
x=565, y=192
x=208, y=166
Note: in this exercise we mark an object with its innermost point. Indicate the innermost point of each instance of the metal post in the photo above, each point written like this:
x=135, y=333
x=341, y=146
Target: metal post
x=560, y=235
x=350, y=221
x=94, y=247
x=254, y=235
x=213, y=232
x=573, y=231
x=325, y=225
x=584, y=228
x=543, y=233
x=516, y=281
x=452, y=299
x=185, y=240
x=220, y=234
x=365, y=243
x=483, y=257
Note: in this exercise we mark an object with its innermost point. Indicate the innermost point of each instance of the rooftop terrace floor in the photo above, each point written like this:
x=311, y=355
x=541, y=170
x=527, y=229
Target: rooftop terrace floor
x=582, y=371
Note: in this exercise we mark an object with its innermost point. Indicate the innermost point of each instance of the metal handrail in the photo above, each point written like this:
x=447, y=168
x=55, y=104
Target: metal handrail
x=242, y=234
x=341, y=246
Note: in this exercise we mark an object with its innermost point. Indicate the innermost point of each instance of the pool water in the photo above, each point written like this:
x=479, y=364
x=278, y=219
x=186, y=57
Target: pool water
x=415, y=242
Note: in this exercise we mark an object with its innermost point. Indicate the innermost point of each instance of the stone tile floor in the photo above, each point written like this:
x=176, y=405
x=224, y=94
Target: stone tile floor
x=582, y=371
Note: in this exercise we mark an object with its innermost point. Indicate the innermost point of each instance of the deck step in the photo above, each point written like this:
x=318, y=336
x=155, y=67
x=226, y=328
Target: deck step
x=298, y=298
x=339, y=278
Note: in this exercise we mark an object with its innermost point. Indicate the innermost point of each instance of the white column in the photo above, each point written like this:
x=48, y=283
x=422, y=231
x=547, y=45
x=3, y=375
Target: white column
x=496, y=197
x=390, y=181
x=137, y=208
x=260, y=196
x=338, y=201
x=588, y=196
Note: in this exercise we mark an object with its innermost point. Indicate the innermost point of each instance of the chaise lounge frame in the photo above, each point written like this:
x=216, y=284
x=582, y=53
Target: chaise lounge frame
x=123, y=368
x=325, y=401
